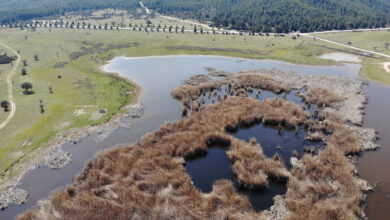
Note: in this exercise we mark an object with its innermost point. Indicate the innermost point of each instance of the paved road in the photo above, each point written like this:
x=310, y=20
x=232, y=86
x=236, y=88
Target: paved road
x=9, y=83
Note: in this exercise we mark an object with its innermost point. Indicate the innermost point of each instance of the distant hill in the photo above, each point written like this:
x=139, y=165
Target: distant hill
x=249, y=15
x=281, y=15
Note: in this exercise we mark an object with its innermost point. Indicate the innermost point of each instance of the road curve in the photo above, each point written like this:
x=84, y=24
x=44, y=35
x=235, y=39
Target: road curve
x=9, y=83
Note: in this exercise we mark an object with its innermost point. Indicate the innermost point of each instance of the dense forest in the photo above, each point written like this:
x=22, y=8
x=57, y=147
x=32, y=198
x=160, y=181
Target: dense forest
x=250, y=15
x=280, y=15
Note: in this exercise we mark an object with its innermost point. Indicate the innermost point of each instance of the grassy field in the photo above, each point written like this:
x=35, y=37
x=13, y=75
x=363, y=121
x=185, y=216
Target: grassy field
x=82, y=90
x=378, y=41
x=373, y=70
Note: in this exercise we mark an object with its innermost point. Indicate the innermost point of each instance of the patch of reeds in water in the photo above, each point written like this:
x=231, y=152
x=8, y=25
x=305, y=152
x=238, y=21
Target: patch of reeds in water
x=148, y=180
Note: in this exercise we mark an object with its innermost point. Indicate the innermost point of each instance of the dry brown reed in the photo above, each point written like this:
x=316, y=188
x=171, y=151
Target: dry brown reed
x=321, y=96
x=325, y=188
x=252, y=167
x=342, y=137
x=146, y=181
x=242, y=83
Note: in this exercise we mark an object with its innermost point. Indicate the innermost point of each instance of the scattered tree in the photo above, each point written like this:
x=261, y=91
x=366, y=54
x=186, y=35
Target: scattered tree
x=5, y=105
x=27, y=86
x=24, y=62
x=36, y=57
x=24, y=71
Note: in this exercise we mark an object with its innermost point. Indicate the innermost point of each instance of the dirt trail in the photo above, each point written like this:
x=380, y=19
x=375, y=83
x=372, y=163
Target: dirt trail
x=9, y=83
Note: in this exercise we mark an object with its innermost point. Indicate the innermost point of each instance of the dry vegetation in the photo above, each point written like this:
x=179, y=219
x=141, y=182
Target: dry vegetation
x=252, y=167
x=244, y=82
x=343, y=138
x=321, y=96
x=148, y=180
x=325, y=188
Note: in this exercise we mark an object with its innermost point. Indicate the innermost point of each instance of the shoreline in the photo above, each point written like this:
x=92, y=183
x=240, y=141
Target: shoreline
x=52, y=155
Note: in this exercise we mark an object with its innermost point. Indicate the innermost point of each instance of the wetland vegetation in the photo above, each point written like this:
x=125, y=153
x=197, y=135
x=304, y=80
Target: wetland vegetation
x=61, y=89
x=150, y=178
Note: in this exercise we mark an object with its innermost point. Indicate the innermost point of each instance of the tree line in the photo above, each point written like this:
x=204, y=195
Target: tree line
x=280, y=16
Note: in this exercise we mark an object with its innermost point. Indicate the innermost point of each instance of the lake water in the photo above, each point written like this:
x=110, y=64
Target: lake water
x=157, y=76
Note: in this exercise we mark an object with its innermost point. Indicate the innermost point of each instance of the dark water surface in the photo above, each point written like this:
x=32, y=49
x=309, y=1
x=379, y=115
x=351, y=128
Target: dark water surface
x=157, y=76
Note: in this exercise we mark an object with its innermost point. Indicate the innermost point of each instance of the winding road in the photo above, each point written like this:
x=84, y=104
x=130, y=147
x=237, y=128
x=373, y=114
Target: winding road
x=9, y=83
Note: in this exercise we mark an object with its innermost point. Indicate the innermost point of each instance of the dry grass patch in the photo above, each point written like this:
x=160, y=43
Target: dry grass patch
x=252, y=167
x=321, y=96
x=240, y=84
x=325, y=188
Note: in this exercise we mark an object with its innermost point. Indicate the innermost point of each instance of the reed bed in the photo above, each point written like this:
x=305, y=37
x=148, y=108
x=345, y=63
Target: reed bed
x=321, y=96
x=148, y=180
x=242, y=83
x=252, y=167
x=324, y=188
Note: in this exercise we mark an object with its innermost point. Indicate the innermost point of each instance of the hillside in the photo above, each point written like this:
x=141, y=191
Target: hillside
x=253, y=15
x=281, y=15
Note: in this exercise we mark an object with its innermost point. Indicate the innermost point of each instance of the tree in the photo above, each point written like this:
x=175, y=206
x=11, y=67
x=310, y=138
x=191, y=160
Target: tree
x=5, y=105
x=36, y=57
x=24, y=71
x=27, y=86
x=195, y=29
x=24, y=62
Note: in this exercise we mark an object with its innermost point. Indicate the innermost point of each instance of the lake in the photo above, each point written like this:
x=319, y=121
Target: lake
x=157, y=76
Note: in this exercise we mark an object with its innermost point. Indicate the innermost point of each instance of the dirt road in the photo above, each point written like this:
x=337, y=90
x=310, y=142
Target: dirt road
x=9, y=83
